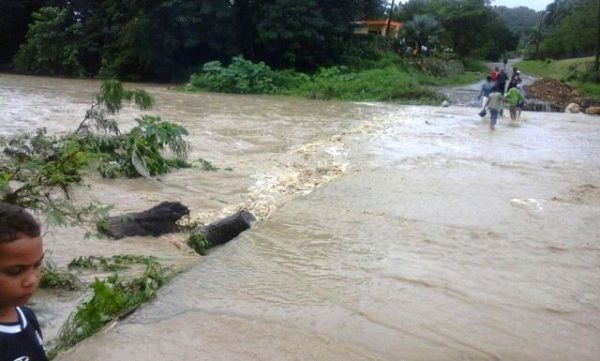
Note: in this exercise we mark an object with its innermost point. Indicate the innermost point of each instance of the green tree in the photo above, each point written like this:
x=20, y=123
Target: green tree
x=306, y=34
x=576, y=32
x=465, y=22
x=555, y=11
x=470, y=27
x=293, y=33
x=422, y=30
x=519, y=20
x=52, y=44
x=160, y=40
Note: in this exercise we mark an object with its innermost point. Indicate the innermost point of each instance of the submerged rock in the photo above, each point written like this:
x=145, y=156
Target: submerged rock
x=593, y=110
x=572, y=108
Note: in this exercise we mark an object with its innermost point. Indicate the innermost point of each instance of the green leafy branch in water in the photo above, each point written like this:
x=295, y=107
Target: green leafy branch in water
x=108, y=103
x=52, y=277
x=33, y=165
x=110, y=264
x=204, y=165
x=208, y=166
x=37, y=171
x=110, y=300
x=140, y=152
x=198, y=243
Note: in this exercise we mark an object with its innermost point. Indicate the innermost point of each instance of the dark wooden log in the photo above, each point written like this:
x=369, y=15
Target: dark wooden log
x=228, y=228
x=160, y=219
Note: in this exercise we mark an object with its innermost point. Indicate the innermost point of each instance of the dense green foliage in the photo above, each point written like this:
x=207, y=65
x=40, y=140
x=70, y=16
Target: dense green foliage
x=241, y=76
x=53, y=44
x=570, y=29
x=389, y=78
x=422, y=30
x=168, y=40
x=163, y=40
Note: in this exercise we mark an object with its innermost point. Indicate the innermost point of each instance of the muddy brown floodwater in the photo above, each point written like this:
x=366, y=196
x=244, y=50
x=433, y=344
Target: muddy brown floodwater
x=386, y=232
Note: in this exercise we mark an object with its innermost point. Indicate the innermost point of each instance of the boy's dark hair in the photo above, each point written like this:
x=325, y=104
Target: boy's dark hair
x=16, y=221
x=488, y=78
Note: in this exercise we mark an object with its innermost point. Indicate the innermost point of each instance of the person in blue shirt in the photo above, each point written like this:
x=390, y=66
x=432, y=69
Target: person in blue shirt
x=486, y=90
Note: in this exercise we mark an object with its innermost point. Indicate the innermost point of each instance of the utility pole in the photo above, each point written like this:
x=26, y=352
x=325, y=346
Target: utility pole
x=597, y=62
x=387, y=29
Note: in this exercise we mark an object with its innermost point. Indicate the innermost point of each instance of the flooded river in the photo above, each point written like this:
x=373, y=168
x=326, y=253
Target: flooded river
x=385, y=232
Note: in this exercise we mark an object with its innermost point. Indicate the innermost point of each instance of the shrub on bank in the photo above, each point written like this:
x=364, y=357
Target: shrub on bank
x=390, y=78
x=239, y=77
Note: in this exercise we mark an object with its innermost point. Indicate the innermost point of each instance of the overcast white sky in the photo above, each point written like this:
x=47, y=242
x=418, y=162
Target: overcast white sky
x=536, y=5
x=532, y=4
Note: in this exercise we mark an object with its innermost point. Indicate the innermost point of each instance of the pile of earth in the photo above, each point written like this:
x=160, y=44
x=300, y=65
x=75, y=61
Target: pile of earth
x=555, y=95
x=553, y=91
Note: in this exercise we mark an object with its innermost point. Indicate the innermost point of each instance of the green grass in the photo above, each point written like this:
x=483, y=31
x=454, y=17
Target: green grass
x=557, y=69
x=576, y=71
x=588, y=89
x=384, y=84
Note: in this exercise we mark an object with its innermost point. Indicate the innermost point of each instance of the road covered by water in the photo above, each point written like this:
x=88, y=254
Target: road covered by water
x=386, y=232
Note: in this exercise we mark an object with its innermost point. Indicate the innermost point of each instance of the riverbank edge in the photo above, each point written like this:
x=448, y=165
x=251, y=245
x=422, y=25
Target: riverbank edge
x=414, y=81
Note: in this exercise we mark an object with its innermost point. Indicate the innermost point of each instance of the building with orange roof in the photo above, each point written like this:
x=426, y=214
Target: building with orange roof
x=377, y=27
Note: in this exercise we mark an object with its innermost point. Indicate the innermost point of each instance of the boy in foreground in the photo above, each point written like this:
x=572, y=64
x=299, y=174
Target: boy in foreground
x=21, y=257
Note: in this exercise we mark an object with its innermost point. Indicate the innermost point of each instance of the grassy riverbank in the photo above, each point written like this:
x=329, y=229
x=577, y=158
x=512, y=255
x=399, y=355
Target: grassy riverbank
x=390, y=78
x=575, y=71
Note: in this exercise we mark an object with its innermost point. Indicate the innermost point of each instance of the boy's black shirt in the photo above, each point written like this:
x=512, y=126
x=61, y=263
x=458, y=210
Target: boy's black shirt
x=22, y=341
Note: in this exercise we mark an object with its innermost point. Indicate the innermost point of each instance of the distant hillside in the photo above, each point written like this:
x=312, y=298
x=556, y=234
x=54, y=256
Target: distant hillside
x=519, y=20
